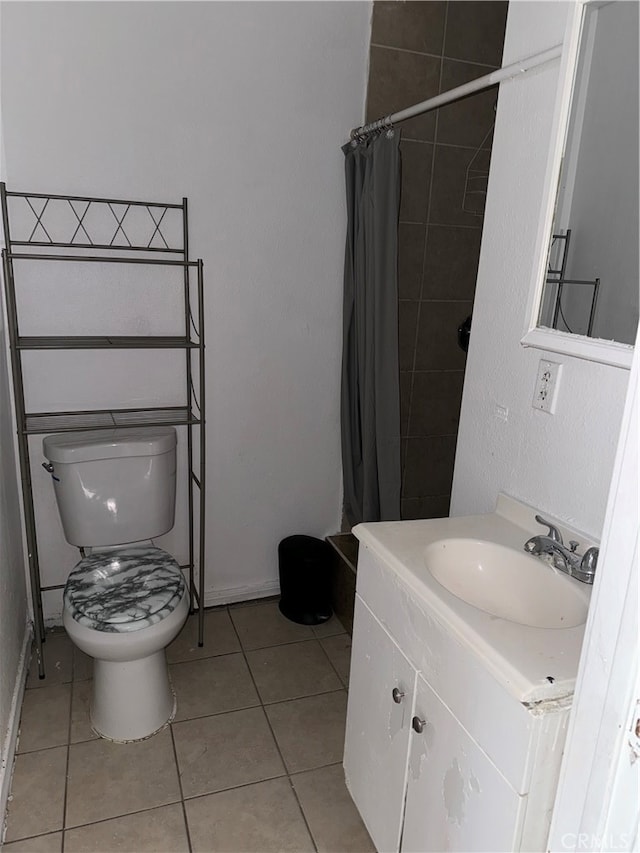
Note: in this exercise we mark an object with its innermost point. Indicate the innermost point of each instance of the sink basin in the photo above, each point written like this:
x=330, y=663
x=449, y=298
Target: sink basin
x=506, y=583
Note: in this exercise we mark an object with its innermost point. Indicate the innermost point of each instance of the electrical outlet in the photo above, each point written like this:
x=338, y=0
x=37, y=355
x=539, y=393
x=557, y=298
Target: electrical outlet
x=546, y=390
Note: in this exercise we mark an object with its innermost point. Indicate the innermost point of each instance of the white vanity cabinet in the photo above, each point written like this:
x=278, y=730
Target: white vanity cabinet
x=378, y=728
x=452, y=760
x=449, y=786
x=456, y=799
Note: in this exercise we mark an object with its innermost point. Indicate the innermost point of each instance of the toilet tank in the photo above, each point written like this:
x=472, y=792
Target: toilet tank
x=114, y=486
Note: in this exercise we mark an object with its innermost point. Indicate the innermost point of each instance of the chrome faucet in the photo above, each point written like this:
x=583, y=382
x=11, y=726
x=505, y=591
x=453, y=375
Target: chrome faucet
x=582, y=568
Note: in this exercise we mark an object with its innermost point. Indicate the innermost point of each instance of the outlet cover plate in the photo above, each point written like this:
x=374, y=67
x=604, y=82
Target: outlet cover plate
x=545, y=394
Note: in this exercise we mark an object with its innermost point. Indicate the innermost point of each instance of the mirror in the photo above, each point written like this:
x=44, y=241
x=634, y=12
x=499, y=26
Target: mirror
x=591, y=286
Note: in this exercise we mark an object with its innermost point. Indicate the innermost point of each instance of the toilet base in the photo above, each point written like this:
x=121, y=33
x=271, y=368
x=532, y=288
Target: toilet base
x=132, y=699
x=132, y=695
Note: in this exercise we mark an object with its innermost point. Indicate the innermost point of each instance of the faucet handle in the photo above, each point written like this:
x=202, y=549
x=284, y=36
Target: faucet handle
x=590, y=560
x=554, y=533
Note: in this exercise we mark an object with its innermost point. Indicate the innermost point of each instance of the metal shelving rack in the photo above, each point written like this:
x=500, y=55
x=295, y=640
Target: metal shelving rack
x=42, y=243
x=558, y=275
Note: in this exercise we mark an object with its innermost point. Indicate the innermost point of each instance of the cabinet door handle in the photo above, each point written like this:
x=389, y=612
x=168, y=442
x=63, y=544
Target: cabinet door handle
x=397, y=695
x=418, y=725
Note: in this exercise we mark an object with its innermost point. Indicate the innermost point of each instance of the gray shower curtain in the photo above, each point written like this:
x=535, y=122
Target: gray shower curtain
x=370, y=404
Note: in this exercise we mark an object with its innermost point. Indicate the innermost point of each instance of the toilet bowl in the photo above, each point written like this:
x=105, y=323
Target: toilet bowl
x=126, y=599
x=122, y=607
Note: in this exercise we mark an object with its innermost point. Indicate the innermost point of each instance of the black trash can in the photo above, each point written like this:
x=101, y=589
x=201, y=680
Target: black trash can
x=305, y=579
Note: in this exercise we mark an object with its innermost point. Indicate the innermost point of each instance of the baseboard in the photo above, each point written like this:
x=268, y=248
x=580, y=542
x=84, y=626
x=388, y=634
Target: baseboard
x=233, y=594
x=11, y=736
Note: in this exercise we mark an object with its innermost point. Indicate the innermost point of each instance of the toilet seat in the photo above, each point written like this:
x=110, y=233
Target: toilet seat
x=124, y=590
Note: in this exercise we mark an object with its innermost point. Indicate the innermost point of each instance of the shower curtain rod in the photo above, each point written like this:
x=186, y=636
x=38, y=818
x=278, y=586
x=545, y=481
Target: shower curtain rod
x=506, y=73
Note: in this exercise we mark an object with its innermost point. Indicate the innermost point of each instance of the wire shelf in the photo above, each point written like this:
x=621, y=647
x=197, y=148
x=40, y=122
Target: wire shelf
x=97, y=342
x=43, y=422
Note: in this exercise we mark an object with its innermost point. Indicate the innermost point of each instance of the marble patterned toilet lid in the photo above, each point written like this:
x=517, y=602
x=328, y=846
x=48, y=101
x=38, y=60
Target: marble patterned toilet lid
x=124, y=590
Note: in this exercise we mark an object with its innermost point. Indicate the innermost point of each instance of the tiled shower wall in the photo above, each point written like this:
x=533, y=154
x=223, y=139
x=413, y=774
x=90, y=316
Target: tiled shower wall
x=419, y=49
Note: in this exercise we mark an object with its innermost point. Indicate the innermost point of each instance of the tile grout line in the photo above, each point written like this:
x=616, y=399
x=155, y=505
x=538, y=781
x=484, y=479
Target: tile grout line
x=46, y=748
x=433, y=435
x=422, y=299
x=458, y=146
x=422, y=497
x=439, y=301
x=165, y=805
x=202, y=796
x=304, y=817
x=216, y=714
x=182, y=802
x=259, y=704
x=313, y=769
x=233, y=788
x=436, y=143
x=73, y=684
x=339, y=689
x=256, y=649
x=275, y=740
x=107, y=819
x=66, y=771
x=424, y=260
x=280, y=645
x=440, y=224
x=443, y=55
x=437, y=370
x=335, y=669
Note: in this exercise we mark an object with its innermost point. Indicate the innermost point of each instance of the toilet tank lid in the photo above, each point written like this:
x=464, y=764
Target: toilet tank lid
x=108, y=444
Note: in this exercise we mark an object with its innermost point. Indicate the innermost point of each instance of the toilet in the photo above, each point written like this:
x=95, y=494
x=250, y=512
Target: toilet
x=126, y=599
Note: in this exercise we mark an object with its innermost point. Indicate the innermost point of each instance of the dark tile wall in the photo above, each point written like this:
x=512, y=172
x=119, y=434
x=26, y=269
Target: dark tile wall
x=419, y=49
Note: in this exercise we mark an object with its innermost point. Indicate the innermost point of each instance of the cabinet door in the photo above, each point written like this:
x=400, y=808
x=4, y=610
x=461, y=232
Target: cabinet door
x=377, y=736
x=456, y=798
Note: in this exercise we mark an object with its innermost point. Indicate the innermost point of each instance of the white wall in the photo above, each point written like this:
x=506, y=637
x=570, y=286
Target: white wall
x=560, y=463
x=241, y=107
x=13, y=602
x=14, y=627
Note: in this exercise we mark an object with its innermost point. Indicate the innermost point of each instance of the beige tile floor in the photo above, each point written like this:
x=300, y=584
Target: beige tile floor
x=252, y=761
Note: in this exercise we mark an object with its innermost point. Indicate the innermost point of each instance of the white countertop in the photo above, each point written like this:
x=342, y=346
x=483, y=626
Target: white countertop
x=536, y=665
